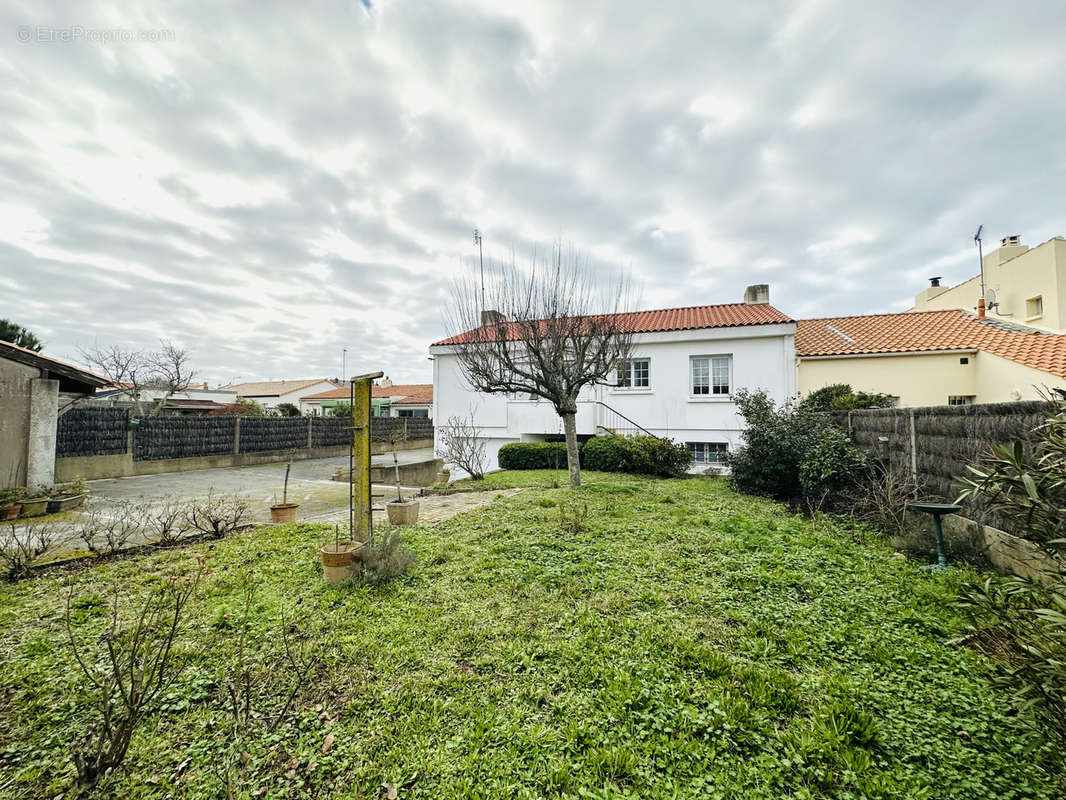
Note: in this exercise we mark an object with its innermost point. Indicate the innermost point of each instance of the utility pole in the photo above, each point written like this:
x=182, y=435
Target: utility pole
x=481, y=260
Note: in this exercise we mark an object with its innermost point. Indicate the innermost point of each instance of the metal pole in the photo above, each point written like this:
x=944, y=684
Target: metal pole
x=980, y=257
x=941, y=559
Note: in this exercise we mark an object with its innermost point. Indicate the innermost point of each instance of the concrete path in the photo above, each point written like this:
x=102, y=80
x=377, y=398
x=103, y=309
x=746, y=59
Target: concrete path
x=311, y=484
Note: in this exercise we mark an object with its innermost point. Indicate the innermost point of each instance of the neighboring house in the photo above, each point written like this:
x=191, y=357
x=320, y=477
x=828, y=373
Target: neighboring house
x=930, y=358
x=34, y=390
x=197, y=399
x=1029, y=286
x=686, y=365
x=271, y=394
x=387, y=400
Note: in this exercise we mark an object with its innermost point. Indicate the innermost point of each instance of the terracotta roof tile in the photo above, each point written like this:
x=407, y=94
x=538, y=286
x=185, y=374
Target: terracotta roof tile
x=271, y=388
x=406, y=391
x=726, y=315
x=926, y=331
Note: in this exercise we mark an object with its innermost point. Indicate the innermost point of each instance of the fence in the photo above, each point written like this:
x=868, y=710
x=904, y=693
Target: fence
x=108, y=431
x=937, y=443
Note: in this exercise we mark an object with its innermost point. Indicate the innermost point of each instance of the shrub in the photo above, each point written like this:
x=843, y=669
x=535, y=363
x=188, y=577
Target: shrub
x=385, y=557
x=605, y=454
x=840, y=397
x=1023, y=621
x=638, y=455
x=834, y=464
x=24, y=547
x=775, y=443
x=532, y=455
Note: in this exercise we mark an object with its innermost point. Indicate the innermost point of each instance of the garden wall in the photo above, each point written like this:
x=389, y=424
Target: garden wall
x=935, y=444
x=94, y=443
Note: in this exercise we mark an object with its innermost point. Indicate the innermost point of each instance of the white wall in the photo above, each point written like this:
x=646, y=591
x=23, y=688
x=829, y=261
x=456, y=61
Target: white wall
x=763, y=358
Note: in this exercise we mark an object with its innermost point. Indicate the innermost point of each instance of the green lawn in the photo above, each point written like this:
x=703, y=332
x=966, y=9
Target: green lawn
x=690, y=642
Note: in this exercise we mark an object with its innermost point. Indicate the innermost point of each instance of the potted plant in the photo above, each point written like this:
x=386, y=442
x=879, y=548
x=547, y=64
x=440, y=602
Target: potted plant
x=444, y=476
x=401, y=511
x=35, y=503
x=65, y=498
x=10, y=505
x=340, y=559
x=284, y=511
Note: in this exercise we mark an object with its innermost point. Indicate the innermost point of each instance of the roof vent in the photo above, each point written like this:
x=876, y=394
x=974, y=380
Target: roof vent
x=935, y=281
x=757, y=294
x=1011, y=241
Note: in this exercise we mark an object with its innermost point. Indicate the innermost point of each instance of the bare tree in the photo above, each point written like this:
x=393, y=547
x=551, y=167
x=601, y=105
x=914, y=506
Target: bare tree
x=461, y=444
x=133, y=371
x=548, y=332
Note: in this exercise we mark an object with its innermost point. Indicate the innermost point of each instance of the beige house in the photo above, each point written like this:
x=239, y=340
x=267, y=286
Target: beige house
x=271, y=394
x=1026, y=286
x=930, y=358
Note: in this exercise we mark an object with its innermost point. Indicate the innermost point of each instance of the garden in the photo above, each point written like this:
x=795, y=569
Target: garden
x=637, y=637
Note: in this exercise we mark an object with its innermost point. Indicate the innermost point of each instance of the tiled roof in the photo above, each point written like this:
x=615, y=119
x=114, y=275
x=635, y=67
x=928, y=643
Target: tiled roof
x=727, y=315
x=32, y=358
x=271, y=388
x=926, y=331
x=410, y=393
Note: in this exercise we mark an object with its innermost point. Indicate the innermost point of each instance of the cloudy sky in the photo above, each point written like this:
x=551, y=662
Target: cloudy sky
x=268, y=183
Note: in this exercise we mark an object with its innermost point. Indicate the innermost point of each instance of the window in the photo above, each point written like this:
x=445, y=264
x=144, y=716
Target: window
x=710, y=375
x=961, y=400
x=1034, y=307
x=964, y=360
x=633, y=374
x=707, y=452
x=412, y=412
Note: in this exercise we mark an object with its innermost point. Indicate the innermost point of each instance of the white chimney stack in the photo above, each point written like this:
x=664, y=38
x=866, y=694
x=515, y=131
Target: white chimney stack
x=757, y=294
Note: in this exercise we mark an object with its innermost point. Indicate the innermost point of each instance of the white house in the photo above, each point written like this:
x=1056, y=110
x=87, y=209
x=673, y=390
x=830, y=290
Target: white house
x=687, y=363
x=271, y=394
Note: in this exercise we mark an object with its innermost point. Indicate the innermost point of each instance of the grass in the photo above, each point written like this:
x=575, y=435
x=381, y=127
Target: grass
x=690, y=642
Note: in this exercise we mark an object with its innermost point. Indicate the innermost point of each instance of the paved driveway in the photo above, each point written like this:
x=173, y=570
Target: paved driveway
x=311, y=484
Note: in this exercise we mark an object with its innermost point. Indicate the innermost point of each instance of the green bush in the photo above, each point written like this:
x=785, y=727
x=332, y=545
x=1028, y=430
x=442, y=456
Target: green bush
x=833, y=465
x=533, y=455
x=775, y=442
x=605, y=454
x=640, y=455
x=841, y=397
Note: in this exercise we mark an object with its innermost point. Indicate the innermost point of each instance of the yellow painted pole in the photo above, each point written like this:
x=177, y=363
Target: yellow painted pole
x=360, y=503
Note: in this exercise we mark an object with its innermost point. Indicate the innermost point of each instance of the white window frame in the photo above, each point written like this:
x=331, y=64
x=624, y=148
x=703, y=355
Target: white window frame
x=627, y=365
x=962, y=399
x=710, y=393
x=702, y=452
x=1036, y=309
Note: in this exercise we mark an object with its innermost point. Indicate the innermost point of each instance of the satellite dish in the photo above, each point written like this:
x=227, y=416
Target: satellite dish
x=990, y=299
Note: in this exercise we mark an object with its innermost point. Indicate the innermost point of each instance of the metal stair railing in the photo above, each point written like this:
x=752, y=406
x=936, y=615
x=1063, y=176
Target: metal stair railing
x=615, y=423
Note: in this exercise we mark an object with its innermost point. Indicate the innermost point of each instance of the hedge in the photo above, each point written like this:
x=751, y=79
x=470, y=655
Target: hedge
x=533, y=455
x=640, y=455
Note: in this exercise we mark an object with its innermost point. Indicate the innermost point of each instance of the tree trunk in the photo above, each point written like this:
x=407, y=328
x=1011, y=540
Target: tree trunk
x=570, y=426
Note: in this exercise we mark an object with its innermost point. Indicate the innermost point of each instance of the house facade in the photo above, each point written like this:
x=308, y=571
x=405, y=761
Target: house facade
x=930, y=358
x=271, y=394
x=1028, y=286
x=387, y=400
x=686, y=365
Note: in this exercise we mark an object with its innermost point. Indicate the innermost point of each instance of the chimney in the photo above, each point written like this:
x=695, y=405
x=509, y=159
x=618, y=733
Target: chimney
x=934, y=282
x=981, y=308
x=757, y=294
x=491, y=318
x=386, y=381
x=1009, y=247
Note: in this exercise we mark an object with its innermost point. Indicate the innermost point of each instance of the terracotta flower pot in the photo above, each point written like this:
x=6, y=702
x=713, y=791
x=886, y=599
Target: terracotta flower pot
x=10, y=511
x=57, y=504
x=340, y=561
x=402, y=513
x=284, y=512
x=34, y=507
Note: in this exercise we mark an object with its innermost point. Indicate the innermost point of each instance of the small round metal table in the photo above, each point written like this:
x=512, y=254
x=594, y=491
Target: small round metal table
x=937, y=510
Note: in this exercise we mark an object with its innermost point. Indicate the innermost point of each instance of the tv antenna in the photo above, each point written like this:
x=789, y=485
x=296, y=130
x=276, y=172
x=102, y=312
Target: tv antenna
x=481, y=260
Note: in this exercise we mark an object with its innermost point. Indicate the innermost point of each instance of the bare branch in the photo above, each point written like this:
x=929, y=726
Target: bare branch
x=550, y=331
